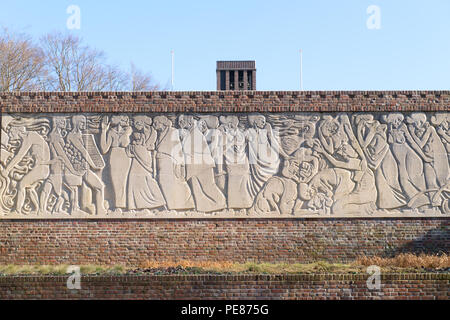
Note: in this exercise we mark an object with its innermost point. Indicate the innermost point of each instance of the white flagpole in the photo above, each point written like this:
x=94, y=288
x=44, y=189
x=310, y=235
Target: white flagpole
x=171, y=81
x=301, y=70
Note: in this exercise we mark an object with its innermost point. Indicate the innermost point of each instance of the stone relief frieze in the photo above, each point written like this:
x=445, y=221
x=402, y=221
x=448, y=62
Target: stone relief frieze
x=224, y=165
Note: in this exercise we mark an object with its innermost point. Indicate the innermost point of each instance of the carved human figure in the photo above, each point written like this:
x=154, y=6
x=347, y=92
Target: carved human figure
x=331, y=134
x=372, y=138
x=209, y=127
x=293, y=138
x=327, y=187
x=363, y=195
x=33, y=144
x=59, y=165
x=279, y=194
x=171, y=166
x=408, y=156
x=199, y=167
x=5, y=153
x=309, y=162
x=441, y=121
x=236, y=164
x=437, y=171
x=143, y=190
x=115, y=137
x=263, y=152
x=81, y=155
x=318, y=196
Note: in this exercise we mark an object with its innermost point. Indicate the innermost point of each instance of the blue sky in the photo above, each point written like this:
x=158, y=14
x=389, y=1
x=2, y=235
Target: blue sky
x=410, y=51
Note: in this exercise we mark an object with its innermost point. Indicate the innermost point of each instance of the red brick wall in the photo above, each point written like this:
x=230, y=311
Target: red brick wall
x=228, y=101
x=131, y=242
x=348, y=286
x=290, y=240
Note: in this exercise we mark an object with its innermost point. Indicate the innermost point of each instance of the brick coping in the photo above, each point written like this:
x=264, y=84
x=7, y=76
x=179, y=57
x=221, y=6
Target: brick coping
x=216, y=92
x=227, y=101
x=250, y=219
x=226, y=277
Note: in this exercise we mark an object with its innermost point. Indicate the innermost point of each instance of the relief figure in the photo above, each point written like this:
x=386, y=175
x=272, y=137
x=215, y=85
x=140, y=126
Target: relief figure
x=5, y=152
x=236, y=164
x=60, y=164
x=35, y=150
x=279, y=194
x=143, y=190
x=441, y=121
x=331, y=134
x=115, y=137
x=436, y=171
x=171, y=166
x=209, y=126
x=200, y=167
x=350, y=157
x=409, y=158
x=263, y=152
x=82, y=152
x=372, y=137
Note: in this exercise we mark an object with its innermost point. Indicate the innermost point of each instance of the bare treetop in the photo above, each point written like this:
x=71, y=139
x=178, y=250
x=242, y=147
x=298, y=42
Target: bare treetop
x=61, y=62
x=141, y=81
x=21, y=63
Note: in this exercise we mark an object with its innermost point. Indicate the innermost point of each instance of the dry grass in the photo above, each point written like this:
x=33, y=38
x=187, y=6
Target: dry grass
x=206, y=265
x=400, y=263
x=253, y=267
x=58, y=269
x=408, y=260
x=286, y=268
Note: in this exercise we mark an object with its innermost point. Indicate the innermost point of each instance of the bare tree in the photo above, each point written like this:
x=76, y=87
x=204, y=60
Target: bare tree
x=115, y=79
x=140, y=81
x=21, y=62
x=72, y=66
x=63, y=63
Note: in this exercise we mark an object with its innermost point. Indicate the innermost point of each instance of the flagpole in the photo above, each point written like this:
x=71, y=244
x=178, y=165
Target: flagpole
x=171, y=80
x=301, y=70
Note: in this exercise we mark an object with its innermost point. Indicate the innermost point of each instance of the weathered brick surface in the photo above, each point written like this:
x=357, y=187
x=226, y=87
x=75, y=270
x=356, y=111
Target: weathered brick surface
x=349, y=286
x=131, y=242
x=225, y=101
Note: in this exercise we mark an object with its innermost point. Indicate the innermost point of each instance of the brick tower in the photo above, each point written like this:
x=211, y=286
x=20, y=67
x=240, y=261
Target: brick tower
x=236, y=75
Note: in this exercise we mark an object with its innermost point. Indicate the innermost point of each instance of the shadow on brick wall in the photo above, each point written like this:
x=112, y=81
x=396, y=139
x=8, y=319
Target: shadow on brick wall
x=434, y=242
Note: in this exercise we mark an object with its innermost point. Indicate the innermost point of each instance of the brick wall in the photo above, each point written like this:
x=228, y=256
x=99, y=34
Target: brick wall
x=225, y=101
x=131, y=242
x=349, y=286
x=290, y=240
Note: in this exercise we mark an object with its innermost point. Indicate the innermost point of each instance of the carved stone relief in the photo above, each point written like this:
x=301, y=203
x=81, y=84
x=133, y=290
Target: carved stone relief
x=224, y=165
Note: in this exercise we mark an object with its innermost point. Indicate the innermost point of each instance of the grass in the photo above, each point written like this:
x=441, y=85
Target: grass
x=399, y=263
x=58, y=269
x=408, y=260
x=254, y=267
